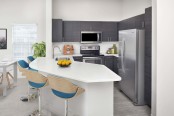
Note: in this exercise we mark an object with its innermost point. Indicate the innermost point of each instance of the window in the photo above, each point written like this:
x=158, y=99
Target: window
x=24, y=36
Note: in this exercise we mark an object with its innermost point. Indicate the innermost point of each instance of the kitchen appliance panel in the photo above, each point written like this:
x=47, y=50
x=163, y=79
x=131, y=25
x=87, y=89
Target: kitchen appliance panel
x=131, y=64
x=93, y=60
x=91, y=36
x=90, y=49
x=128, y=54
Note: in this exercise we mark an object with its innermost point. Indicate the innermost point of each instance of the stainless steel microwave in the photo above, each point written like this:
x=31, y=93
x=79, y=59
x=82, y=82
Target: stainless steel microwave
x=91, y=36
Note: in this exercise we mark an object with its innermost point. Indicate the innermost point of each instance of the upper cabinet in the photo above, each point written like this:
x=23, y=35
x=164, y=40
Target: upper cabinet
x=70, y=31
x=136, y=22
x=110, y=32
x=57, y=30
x=90, y=26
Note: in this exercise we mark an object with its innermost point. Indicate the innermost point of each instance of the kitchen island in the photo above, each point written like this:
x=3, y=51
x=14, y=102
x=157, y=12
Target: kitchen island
x=97, y=80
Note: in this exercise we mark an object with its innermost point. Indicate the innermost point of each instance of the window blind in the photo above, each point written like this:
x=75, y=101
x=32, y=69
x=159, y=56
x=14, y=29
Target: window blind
x=24, y=36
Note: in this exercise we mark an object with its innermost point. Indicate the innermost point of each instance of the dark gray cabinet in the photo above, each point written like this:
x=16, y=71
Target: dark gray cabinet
x=148, y=56
x=57, y=31
x=110, y=32
x=71, y=31
x=109, y=62
x=78, y=58
x=90, y=26
x=136, y=22
x=116, y=65
x=112, y=63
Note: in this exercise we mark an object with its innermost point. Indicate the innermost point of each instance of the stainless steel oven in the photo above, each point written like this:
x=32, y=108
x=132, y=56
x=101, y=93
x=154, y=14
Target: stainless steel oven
x=94, y=60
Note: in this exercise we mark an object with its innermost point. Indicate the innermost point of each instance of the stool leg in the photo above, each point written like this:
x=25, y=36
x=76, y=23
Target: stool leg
x=39, y=97
x=66, y=107
x=28, y=93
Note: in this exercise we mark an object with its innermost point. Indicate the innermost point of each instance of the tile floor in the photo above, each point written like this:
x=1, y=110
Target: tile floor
x=12, y=106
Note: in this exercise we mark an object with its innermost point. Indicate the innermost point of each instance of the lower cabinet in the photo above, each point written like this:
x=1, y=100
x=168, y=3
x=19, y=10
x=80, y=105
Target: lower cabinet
x=116, y=65
x=111, y=62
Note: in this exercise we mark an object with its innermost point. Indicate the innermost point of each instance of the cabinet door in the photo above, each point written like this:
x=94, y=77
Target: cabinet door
x=115, y=65
x=109, y=62
x=96, y=26
x=131, y=23
x=148, y=57
x=71, y=31
x=90, y=26
x=109, y=30
x=85, y=26
x=57, y=30
x=140, y=24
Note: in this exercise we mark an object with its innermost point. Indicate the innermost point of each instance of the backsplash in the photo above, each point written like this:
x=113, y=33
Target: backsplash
x=103, y=46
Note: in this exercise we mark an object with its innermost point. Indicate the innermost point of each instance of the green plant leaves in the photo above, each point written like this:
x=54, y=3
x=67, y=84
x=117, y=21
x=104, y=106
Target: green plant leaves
x=39, y=49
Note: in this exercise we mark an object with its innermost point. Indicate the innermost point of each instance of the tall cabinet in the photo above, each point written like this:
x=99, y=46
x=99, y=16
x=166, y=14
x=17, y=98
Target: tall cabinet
x=148, y=55
x=57, y=30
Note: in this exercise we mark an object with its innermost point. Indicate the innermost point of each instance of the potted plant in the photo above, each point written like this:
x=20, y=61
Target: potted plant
x=39, y=49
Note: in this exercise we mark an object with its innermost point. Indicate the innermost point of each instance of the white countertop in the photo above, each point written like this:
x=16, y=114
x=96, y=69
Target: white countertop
x=78, y=54
x=116, y=55
x=80, y=71
x=68, y=55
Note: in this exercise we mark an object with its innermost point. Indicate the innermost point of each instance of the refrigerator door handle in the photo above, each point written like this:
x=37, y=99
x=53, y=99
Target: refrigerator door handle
x=120, y=55
x=123, y=56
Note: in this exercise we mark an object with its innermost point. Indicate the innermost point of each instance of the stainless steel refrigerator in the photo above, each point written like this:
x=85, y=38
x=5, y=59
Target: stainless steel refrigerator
x=131, y=64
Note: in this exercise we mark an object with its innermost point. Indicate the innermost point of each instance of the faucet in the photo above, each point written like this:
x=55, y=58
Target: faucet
x=58, y=48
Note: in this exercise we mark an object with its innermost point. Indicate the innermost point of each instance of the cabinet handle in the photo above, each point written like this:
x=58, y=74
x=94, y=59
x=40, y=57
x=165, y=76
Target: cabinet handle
x=143, y=24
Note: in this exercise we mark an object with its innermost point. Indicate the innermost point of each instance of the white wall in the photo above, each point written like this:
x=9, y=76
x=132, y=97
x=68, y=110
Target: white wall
x=21, y=12
x=165, y=58
x=154, y=57
x=87, y=10
x=103, y=47
x=98, y=10
x=49, y=29
x=134, y=7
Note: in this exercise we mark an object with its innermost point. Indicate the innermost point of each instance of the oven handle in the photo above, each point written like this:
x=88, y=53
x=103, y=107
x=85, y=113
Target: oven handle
x=92, y=58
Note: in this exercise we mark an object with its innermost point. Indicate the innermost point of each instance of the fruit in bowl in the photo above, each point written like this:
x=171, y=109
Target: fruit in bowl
x=64, y=62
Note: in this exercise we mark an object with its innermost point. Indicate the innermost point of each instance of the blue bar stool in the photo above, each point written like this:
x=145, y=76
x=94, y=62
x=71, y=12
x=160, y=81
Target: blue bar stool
x=64, y=89
x=35, y=79
x=30, y=59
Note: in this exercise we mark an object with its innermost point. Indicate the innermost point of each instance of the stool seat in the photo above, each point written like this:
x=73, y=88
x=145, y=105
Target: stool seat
x=36, y=85
x=64, y=89
x=35, y=79
x=30, y=59
x=63, y=95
